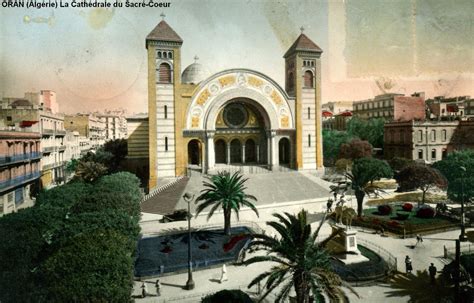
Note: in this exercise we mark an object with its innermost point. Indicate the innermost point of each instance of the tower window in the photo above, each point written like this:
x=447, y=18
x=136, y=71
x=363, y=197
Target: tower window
x=309, y=140
x=309, y=113
x=308, y=79
x=165, y=55
x=164, y=73
x=170, y=55
x=166, y=112
x=159, y=55
x=166, y=143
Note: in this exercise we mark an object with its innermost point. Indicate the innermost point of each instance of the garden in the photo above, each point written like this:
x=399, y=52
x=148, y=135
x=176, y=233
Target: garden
x=404, y=219
x=158, y=255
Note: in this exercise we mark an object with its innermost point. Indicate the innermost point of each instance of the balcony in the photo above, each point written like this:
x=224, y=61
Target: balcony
x=19, y=158
x=53, y=165
x=48, y=149
x=60, y=133
x=62, y=148
x=11, y=183
x=47, y=131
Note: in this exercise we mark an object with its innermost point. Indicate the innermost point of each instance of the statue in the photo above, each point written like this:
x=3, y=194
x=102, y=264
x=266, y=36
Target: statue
x=345, y=215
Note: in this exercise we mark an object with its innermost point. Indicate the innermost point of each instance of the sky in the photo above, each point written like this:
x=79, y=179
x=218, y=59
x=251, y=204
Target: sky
x=95, y=59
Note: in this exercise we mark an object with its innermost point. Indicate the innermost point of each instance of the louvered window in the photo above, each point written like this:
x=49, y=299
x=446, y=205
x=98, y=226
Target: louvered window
x=164, y=73
x=308, y=79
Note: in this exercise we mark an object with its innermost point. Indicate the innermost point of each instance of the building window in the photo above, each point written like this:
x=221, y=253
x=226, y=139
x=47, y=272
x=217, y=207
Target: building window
x=444, y=135
x=309, y=140
x=164, y=55
x=420, y=154
x=309, y=113
x=433, y=154
x=308, y=79
x=433, y=135
x=420, y=135
x=164, y=73
x=166, y=143
x=444, y=153
x=170, y=55
x=159, y=55
x=166, y=112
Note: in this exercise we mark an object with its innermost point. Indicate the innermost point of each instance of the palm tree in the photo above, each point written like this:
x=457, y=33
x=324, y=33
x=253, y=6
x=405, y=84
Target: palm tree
x=228, y=192
x=364, y=172
x=89, y=171
x=302, y=262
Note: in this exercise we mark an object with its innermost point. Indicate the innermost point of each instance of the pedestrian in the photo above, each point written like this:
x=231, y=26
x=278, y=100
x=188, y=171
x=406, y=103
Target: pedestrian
x=432, y=269
x=329, y=205
x=158, y=287
x=144, y=290
x=342, y=200
x=223, y=274
x=408, y=265
x=419, y=239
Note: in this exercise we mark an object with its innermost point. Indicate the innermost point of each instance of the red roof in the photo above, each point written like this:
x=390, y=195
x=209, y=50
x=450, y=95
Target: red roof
x=303, y=43
x=326, y=113
x=163, y=32
x=346, y=114
x=27, y=123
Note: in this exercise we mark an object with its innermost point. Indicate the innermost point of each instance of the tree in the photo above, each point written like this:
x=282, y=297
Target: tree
x=371, y=130
x=399, y=163
x=355, y=149
x=225, y=191
x=229, y=296
x=89, y=171
x=422, y=177
x=450, y=167
x=343, y=165
x=364, y=172
x=302, y=263
x=95, y=266
x=118, y=149
x=332, y=141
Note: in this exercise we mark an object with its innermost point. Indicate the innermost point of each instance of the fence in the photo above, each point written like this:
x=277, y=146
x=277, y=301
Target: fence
x=466, y=249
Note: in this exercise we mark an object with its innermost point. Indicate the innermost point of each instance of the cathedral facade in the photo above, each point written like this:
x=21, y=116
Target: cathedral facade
x=236, y=117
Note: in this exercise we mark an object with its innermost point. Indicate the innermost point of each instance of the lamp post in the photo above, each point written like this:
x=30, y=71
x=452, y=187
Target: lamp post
x=190, y=283
x=462, y=236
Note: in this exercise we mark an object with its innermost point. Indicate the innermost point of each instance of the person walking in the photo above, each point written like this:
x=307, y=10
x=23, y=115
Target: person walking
x=432, y=270
x=329, y=205
x=144, y=290
x=419, y=239
x=408, y=265
x=158, y=287
x=223, y=274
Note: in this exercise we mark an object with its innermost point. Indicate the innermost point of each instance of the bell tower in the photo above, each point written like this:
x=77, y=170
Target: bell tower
x=303, y=82
x=164, y=76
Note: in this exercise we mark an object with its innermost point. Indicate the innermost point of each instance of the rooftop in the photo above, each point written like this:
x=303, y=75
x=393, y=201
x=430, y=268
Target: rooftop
x=303, y=43
x=163, y=32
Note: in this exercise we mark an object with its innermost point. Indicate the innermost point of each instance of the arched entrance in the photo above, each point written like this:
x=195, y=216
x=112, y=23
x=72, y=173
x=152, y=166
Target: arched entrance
x=221, y=151
x=250, y=152
x=194, y=152
x=235, y=151
x=284, y=151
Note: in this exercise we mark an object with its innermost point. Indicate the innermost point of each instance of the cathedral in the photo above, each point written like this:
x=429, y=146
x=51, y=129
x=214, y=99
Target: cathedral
x=236, y=117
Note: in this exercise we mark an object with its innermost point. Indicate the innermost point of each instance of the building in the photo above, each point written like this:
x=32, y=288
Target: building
x=234, y=117
x=392, y=107
x=115, y=125
x=26, y=113
x=337, y=107
x=450, y=108
x=89, y=126
x=427, y=141
x=20, y=156
x=137, y=144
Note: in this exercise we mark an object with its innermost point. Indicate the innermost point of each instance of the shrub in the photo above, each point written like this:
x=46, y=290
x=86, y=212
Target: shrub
x=402, y=216
x=384, y=210
x=229, y=296
x=426, y=212
x=407, y=207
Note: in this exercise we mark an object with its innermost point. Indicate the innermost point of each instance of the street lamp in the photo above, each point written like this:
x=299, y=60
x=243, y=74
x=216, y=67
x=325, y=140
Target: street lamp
x=463, y=236
x=190, y=283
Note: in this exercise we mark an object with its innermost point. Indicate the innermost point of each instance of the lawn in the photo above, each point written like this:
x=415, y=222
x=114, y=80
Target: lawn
x=413, y=197
x=412, y=225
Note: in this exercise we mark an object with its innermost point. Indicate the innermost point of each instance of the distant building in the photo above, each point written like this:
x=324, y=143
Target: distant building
x=392, y=107
x=427, y=141
x=26, y=113
x=337, y=107
x=115, y=125
x=20, y=156
x=89, y=126
x=137, y=144
x=449, y=108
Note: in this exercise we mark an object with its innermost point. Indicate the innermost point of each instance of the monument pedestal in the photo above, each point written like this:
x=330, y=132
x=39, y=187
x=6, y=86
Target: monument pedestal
x=352, y=255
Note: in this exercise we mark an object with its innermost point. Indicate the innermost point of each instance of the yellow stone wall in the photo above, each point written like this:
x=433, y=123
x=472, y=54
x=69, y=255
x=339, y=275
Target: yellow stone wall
x=319, y=134
x=183, y=93
x=152, y=115
x=298, y=113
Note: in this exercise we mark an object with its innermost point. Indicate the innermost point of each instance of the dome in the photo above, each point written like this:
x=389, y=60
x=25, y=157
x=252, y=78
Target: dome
x=194, y=73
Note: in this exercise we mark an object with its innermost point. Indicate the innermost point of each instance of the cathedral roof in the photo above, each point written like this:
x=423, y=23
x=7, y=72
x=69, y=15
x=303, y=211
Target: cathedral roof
x=194, y=74
x=303, y=43
x=163, y=32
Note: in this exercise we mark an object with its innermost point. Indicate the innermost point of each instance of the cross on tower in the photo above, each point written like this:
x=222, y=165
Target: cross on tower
x=162, y=16
x=196, y=58
x=302, y=29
